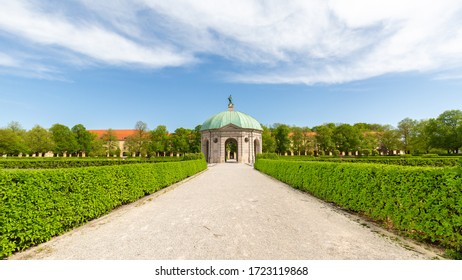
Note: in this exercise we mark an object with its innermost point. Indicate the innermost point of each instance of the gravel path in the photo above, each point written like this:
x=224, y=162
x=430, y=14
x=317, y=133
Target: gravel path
x=229, y=211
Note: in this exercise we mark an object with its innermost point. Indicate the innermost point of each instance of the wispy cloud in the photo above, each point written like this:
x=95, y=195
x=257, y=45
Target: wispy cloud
x=292, y=42
x=25, y=65
x=8, y=61
x=452, y=76
x=28, y=21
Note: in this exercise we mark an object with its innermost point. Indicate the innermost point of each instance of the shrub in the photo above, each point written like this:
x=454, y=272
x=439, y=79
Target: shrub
x=406, y=155
x=192, y=156
x=59, y=163
x=50, y=163
x=430, y=155
x=267, y=156
x=365, y=152
x=393, y=160
x=39, y=204
x=424, y=203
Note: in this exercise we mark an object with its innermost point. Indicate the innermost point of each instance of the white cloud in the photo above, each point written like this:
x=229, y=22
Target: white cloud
x=256, y=31
x=409, y=36
x=28, y=21
x=297, y=41
x=451, y=76
x=8, y=61
x=19, y=64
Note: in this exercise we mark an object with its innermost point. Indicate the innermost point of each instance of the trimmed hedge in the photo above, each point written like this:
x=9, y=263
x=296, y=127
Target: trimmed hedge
x=193, y=156
x=425, y=203
x=39, y=204
x=267, y=156
x=61, y=163
x=393, y=160
x=50, y=163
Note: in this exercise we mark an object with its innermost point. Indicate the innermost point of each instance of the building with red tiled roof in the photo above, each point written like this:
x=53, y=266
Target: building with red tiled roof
x=120, y=134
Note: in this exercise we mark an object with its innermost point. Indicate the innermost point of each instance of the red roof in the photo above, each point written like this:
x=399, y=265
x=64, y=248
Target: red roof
x=120, y=134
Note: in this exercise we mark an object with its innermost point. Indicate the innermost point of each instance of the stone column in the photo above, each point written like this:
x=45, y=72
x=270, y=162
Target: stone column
x=240, y=149
x=221, y=150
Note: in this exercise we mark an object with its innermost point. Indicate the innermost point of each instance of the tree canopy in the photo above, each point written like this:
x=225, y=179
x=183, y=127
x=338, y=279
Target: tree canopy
x=64, y=139
x=442, y=134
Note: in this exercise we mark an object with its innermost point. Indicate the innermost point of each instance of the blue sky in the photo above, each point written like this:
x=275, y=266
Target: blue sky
x=110, y=64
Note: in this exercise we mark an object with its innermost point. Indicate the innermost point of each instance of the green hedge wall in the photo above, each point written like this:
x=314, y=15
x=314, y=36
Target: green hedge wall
x=267, y=156
x=423, y=202
x=50, y=163
x=61, y=163
x=39, y=204
x=393, y=160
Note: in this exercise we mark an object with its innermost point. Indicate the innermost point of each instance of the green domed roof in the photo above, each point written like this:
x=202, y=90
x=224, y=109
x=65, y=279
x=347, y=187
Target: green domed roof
x=231, y=117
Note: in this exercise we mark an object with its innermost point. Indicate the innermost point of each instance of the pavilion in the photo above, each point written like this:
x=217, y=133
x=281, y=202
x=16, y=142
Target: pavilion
x=231, y=136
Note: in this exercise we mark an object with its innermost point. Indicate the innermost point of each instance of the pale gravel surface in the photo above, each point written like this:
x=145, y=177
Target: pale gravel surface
x=229, y=211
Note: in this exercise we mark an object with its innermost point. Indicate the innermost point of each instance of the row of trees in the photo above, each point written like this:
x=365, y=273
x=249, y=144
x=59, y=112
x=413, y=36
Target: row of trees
x=60, y=139
x=159, y=142
x=436, y=135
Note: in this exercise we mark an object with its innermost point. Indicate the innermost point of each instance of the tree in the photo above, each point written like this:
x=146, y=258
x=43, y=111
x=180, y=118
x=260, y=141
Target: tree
x=281, y=133
x=309, y=144
x=180, y=140
x=138, y=143
x=268, y=141
x=297, y=140
x=370, y=141
x=98, y=147
x=10, y=142
x=324, y=137
x=15, y=127
x=158, y=142
x=39, y=140
x=347, y=138
x=141, y=127
x=84, y=139
x=110, y=142
x=370, y=135
x=424, y=130
x=407, y=129
x=367, y=127
x=447, y=131
x=19, y=138
x=64, y=139
x=195, y=142
x=169, y=149
x=389, y=141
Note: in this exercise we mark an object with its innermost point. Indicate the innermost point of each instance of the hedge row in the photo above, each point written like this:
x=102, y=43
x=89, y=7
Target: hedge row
x=47, y=163
x=423, y=202
x=394, y=160
x=39, y=204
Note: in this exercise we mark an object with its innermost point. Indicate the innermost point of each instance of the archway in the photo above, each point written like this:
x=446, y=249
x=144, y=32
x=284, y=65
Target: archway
x=231, y=154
